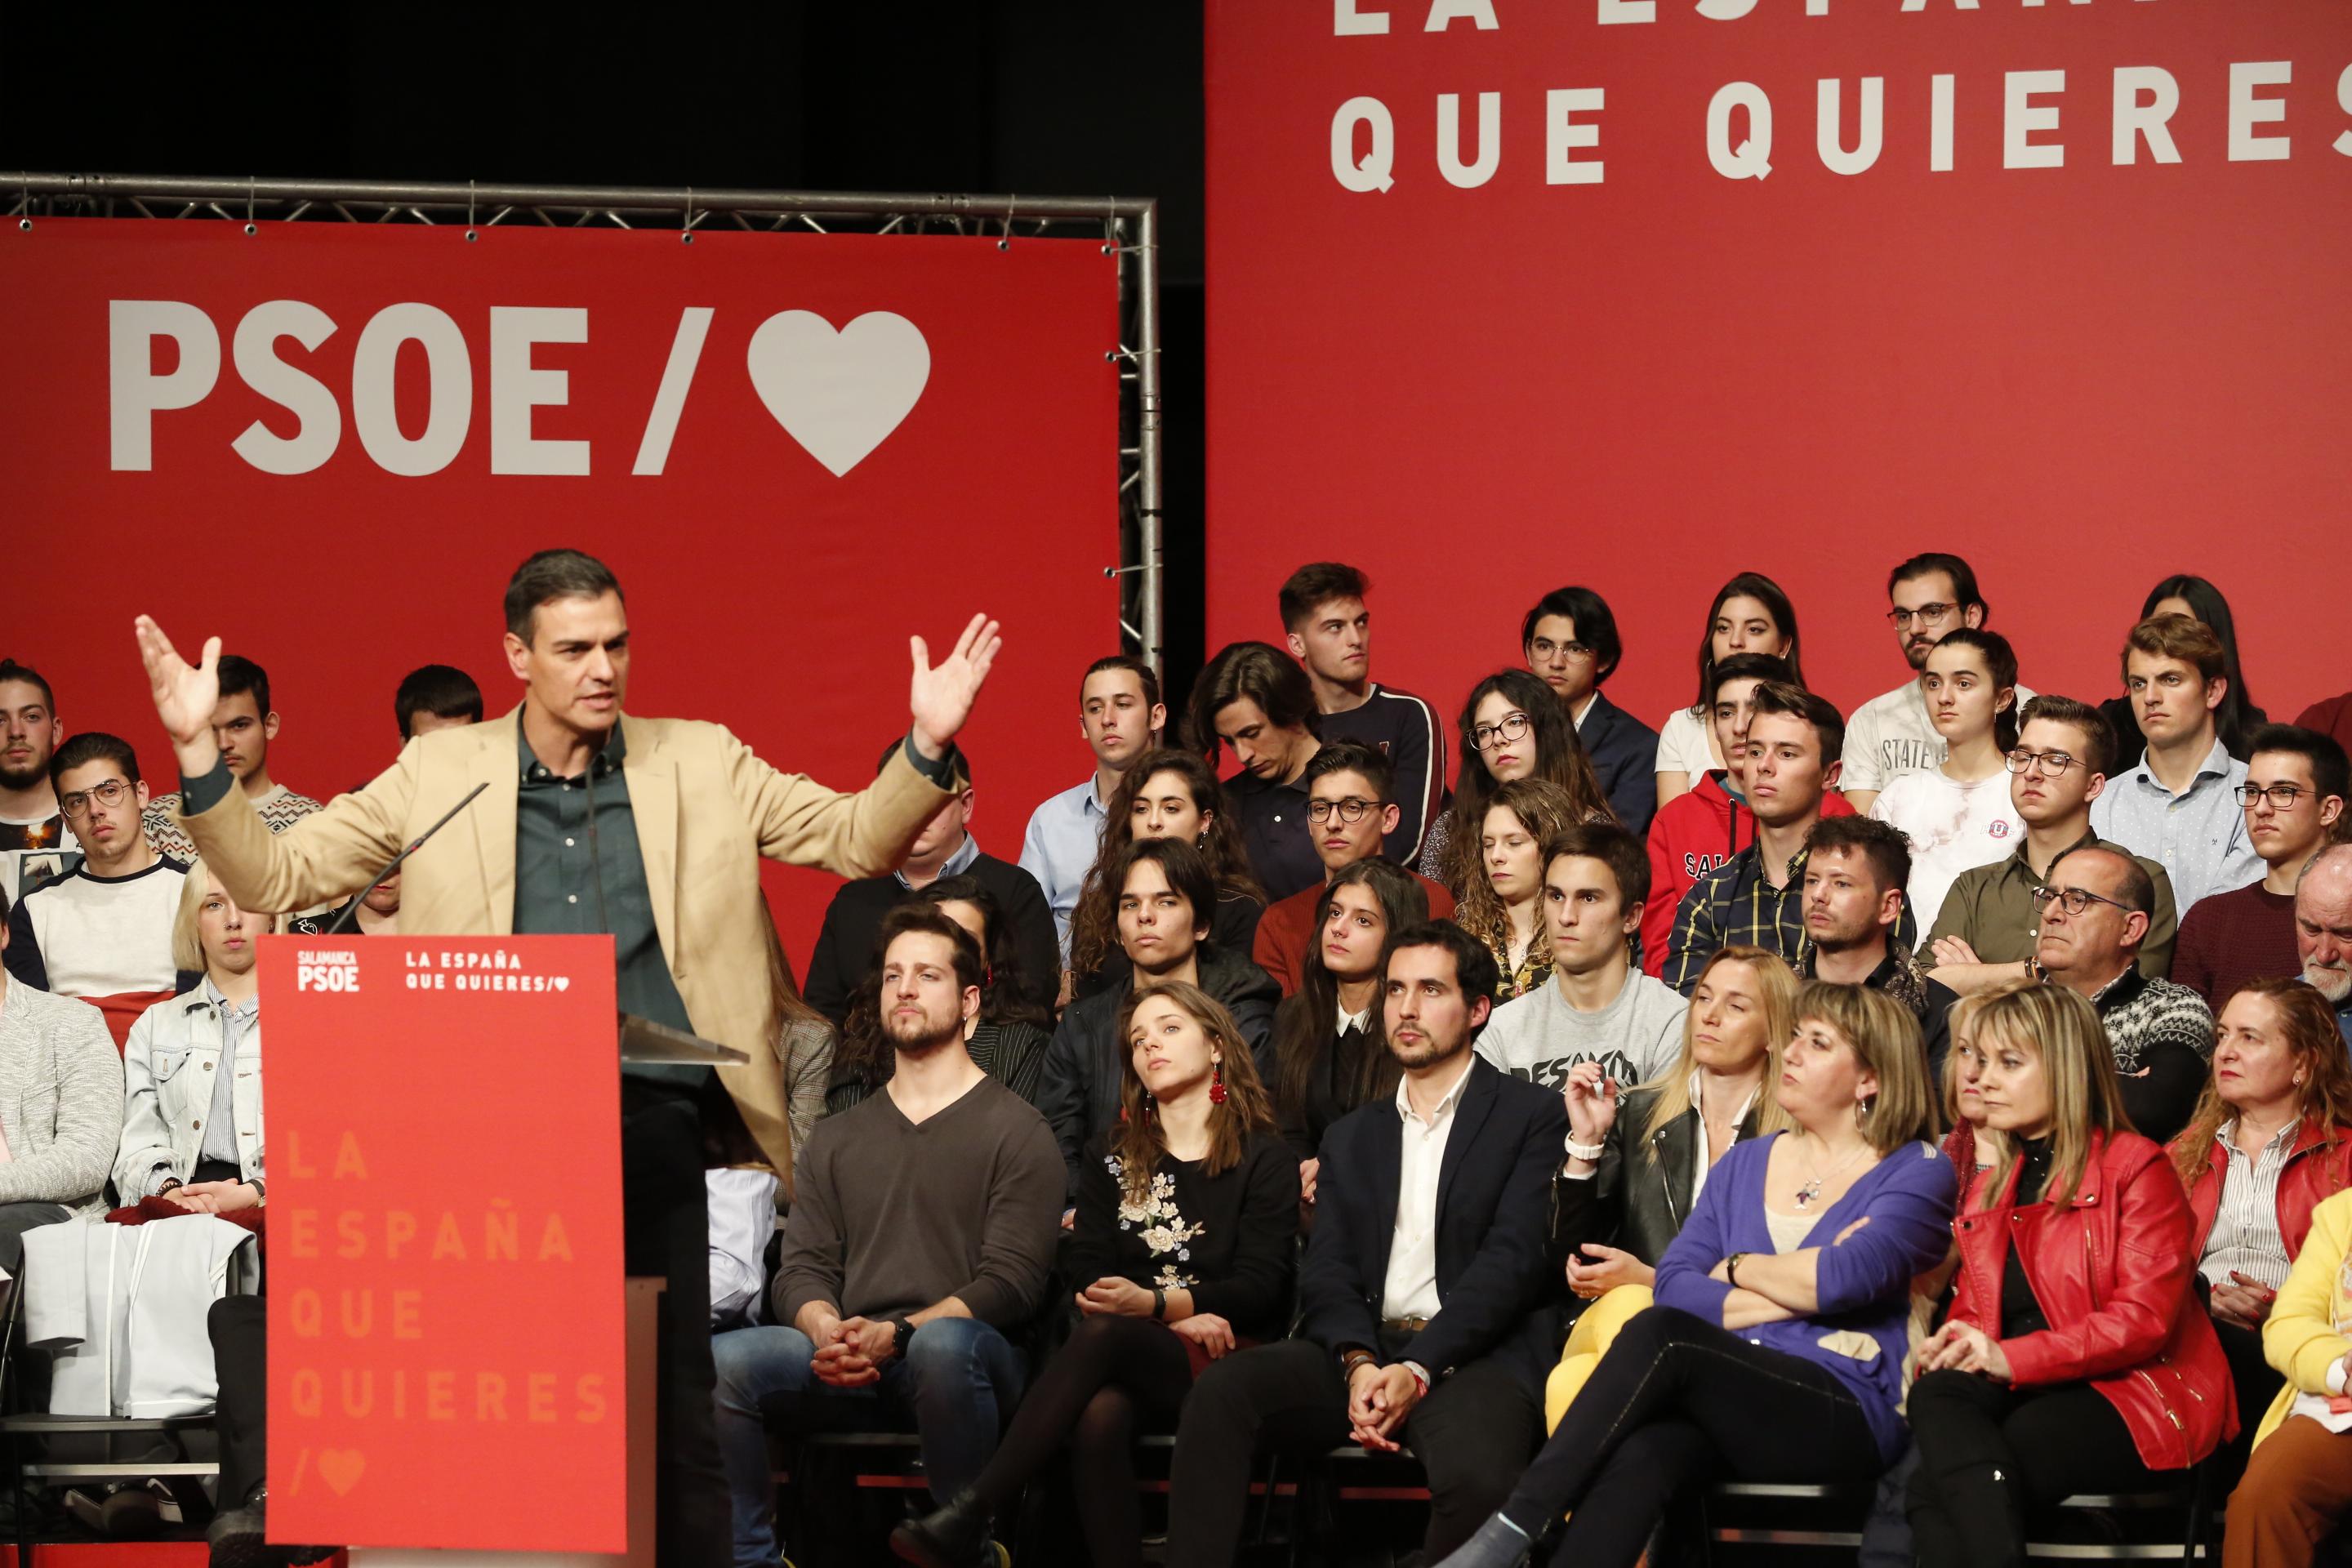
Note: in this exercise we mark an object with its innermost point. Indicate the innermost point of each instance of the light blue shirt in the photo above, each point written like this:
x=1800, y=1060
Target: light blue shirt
x=1065, y=834
x=237, y=1019
x=955, y=865
x=2199, y=835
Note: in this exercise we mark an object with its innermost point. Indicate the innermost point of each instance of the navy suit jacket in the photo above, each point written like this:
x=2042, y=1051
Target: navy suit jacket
x=1624, y=753
x=1493, y=1219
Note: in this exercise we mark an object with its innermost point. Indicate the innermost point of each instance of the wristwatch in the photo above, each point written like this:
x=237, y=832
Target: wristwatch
x=1731, y=1269
x=260, y=1192
x=901, y=1330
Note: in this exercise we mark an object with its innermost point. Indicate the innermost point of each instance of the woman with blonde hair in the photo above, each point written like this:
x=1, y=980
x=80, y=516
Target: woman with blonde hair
x=2075, y=1358
x=1774, y=1352
x=1502, y=905
x=1187, y=1225
x=1614, y=1217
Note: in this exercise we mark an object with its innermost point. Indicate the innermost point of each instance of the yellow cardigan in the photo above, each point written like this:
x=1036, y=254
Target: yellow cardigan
x=2301, y=1339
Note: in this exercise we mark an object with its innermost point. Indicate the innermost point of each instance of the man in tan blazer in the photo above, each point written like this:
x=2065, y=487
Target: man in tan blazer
x=594, y=820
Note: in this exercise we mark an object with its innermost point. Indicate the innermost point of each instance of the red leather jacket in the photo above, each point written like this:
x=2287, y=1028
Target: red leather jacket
x=2317, y=1167
x=2112, y=1272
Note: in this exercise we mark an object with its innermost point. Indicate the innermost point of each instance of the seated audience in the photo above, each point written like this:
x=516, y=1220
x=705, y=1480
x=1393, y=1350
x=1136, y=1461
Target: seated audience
x=1167, y=795
x=1571, y=643
x=2076, y=1358
x=1856, y=871
x=1757, y=896
x=921, y=1235
x=2272, y=1138
x=2299, y=1481
x=945, y=847
x=1330, y=633
x=1775, y=1351
x=1352, y=813
x=1185, y=1241
x=1751, y=616
x=2296, y=784
x=2238, y=717
x=34, y=838
x=1616, y=1212
x=1929, y=597
x=1255, y=701
x=101, y=932
x=1120, y=718
x=1597, y=1005
x=2178, y=804
x=1328, y=1056
x=1958, y=815
x=2160, y=1035
x=244, y=725
x=1985, y=932
x=1006, y=1038
x=436, y=697
x=1423, y=1322
x=1511, y=728
x=1165, y=891
x=1504, y=906
x=2323, y=930
x=60, y=1110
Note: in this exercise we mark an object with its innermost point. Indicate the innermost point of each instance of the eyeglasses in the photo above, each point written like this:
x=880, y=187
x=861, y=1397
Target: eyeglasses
x=2076, y=900
x=2054, y=763
x=1576, y=652
x=1486, y=737
x=1350, y=809
x=2282, y=797
x=1925, y=614
x=77, y=804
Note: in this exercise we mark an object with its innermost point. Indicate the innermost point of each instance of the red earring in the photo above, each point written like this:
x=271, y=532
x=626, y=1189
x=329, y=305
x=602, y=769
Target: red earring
x=1217, y=1085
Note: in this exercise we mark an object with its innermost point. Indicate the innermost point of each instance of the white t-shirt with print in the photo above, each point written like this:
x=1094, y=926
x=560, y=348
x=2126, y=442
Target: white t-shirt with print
x=1891, y=735
x=1686, y=744
x=1953, y=828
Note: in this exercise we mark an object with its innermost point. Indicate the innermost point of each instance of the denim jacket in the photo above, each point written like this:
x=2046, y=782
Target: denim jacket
x=167, y=1068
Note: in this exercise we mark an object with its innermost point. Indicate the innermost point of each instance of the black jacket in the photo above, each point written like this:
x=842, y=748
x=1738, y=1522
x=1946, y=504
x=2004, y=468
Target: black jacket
x=845, y=945
x=1079, y=1090
x=1633, y=1202
x=1494, y=1208
x=1624, y=753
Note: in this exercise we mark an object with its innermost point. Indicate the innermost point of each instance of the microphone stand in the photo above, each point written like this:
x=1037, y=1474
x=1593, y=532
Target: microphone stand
x=352, y=912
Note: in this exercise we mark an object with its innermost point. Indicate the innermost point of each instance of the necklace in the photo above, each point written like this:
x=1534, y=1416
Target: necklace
x=1810, y=1192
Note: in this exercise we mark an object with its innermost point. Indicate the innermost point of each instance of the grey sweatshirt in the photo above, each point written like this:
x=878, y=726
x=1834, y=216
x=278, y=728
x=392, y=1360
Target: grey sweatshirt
x=1540, y=1036
x=61, y=1100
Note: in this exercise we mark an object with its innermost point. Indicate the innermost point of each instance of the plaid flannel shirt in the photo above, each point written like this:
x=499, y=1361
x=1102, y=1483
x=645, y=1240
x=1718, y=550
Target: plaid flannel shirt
x=1734, y=905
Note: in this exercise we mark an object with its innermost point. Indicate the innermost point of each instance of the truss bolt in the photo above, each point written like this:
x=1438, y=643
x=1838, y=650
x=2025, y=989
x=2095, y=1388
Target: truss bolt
x=1004, y=245
x=250, y=230
x=472, y=237
x=1110, y=356
x=24, y=224
x=686, y=239
x=1108, y=250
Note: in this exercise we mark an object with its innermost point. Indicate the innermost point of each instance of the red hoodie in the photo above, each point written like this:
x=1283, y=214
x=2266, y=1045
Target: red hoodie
x=1691, y=835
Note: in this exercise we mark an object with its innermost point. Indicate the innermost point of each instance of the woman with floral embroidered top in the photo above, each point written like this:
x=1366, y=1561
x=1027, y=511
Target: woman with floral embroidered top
x=1187, y=1217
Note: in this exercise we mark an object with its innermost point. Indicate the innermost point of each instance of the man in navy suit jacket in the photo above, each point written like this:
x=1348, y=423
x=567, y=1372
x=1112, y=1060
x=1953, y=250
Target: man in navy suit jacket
x=1571, y=642
x=1427, y=1318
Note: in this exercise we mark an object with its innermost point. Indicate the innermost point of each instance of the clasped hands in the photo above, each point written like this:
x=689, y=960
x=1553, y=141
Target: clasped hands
x=1963, y=1347
x=214, y=1197
x=1379, y=1399
x=850, y=1352
x=1111, y=1296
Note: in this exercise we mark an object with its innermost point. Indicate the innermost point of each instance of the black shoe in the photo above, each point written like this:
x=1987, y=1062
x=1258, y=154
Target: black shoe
x=955, y=1536
x=239, y=1540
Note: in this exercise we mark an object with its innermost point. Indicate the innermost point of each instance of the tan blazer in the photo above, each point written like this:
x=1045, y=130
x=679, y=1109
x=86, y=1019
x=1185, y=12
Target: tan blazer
x=705, y=809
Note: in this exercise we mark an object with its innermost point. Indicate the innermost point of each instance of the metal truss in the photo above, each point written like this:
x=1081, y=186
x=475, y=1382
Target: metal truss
x=1125, y=226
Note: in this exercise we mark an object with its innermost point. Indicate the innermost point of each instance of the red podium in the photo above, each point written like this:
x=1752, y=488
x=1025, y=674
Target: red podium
x=443, y=1262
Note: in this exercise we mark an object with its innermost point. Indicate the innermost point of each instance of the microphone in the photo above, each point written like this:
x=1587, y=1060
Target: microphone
x=352, y=912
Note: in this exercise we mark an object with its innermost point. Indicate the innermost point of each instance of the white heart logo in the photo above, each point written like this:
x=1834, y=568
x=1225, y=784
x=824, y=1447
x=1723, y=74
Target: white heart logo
x=841, y=394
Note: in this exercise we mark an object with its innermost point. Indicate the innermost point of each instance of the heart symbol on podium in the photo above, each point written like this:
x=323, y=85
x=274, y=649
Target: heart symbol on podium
x=562, y=983
x=342, y=1467
x=839, y=394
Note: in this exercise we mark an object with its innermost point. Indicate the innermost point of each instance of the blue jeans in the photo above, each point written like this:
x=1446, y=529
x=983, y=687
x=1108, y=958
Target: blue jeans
x=957, y=1379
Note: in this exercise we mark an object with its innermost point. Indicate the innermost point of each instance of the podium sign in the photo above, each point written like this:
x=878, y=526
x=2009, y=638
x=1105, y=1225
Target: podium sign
x=444, y=1261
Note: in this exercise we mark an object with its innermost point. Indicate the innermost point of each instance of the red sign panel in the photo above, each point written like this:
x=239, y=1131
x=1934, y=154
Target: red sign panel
x=444, y=1254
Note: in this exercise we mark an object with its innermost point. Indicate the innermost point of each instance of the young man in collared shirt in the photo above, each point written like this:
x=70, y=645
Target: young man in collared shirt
x=1254, y=701
x=244, y=725
x=36, y=844
x=1986, y=931
x=1121, y=717
x=1794, y=738
x=1331, y=633
x=1571, y=642
x=1423, y=1302
x=1891, y=734
x=1345, y=776
x=2179, y=806
x=2093, y=918
x=2323, y=930
x=2293, y=795
x=1856, y=871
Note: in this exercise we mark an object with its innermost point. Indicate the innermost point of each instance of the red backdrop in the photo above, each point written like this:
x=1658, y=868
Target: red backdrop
x=2082, y=377
x=766, y=591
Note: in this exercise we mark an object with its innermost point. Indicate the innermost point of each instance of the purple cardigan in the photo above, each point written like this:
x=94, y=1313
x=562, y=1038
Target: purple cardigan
x=1864, y=1281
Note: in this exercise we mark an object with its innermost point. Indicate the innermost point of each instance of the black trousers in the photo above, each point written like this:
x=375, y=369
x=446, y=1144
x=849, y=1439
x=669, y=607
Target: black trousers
x=1471, y=1434
x=666, y=1232
x=1678, y=1399
x=240, y=1334
x=2257, y=1385
x=1988, y=1452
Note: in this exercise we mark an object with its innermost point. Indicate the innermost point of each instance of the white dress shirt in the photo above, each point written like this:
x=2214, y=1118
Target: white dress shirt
x=1411, y=1290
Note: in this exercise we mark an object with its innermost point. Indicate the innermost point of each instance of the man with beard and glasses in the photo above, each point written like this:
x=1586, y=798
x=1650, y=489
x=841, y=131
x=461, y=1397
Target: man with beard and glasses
x=2323, y=930
x=1891, y=735
x=36, y=844
x=923, y=1226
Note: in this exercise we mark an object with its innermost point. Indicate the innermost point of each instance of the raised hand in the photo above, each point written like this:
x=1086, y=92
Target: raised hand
x=184, y=696
x=941, y=695
x=1591, y=1098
